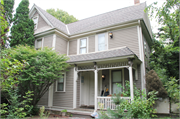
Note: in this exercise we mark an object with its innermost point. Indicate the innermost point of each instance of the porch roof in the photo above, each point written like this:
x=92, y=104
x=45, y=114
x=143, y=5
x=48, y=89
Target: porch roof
x=118, y=52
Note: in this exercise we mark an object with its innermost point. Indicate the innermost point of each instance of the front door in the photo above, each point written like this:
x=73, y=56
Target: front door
x=87, y=88
x=116, y=78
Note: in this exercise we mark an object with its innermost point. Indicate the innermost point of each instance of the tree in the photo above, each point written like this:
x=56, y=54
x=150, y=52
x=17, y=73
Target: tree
x=3, y=24
x=23, y=28
x=62, y=15
x=45, y=67
x=153, y=83
x=166, y=57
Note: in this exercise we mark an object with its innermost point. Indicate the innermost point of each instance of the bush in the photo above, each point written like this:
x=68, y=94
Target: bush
x=153, y=83
x=140, y=107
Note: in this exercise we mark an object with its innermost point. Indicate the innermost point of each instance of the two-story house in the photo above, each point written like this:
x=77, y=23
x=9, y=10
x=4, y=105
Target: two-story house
x=103, y=50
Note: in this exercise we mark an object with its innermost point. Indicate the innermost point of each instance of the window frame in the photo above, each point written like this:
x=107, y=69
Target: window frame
x=106, y=40
x=64, y=84
x=79, y=45
x=37, y=21
x=122, y=80
x=41, y=39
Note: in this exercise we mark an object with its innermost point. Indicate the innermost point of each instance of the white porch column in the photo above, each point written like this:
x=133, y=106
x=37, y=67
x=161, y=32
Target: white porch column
x=75, y=87
x=96, y=86
x=50, y=96
x=131, y=79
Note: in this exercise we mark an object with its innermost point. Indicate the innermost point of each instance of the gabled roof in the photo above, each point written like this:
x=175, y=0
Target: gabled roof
x=125, y=51
x=134, y=12
x=120, y=16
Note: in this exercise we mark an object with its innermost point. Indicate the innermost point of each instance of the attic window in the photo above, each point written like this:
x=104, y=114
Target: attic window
x=35, y=19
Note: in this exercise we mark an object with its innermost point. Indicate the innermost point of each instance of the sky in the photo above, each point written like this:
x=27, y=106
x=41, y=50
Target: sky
x=82, y=9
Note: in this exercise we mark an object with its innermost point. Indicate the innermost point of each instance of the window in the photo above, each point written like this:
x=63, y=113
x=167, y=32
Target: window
x=116, y=78
x=39, y=44
x=83, y=46
x=35, y=19
x=60, y=84
x=101, y=42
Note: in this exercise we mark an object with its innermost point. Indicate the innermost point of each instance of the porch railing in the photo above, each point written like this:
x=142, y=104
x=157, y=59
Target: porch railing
x=107, y=102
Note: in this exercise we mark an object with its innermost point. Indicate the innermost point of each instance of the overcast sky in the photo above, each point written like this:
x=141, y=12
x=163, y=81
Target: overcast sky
x=82, y=9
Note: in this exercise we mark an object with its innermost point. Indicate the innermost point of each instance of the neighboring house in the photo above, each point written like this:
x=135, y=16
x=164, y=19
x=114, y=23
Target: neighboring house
x=97, y=59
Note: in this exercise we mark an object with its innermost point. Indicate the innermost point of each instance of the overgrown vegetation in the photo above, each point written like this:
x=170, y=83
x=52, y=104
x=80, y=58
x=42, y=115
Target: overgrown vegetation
x=140, y=107
x=153, y=83
x=45, y=67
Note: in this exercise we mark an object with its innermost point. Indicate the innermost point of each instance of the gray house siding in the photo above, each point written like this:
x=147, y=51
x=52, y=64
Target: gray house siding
x=65, y=99
x=73, y=47
x=91, y=43
x=44, y=99
x=125, y=37
x=48, y=41
x=61, y=45
x=42, y=25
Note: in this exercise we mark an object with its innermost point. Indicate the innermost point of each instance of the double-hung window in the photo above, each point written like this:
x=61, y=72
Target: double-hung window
x=60, y=84
x=83, y=46
x=35, y=19
x=101, y=42
x=117, y=78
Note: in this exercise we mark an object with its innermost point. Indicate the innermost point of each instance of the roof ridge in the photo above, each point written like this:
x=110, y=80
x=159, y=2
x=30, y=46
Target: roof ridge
x=107, y=12
x=49, y=14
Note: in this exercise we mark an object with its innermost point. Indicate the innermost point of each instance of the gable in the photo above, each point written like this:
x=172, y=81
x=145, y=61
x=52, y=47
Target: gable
x=42, y=24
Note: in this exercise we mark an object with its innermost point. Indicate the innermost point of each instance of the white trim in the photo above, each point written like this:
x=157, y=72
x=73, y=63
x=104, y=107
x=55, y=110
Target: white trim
x=50, y=96
x=120, y=67
x=67, y=48
x=78, y=45
x=64, y=85
x=78, y=41
x=42, y=43
x=74, y=88
x=54, y=42
x=106, y=41
x=131, y=82
x=37, y=21
x=80, y=90
x=110, y=82
x=123, y=77
x=96, y=89
x=67, y=29
x=44, y=17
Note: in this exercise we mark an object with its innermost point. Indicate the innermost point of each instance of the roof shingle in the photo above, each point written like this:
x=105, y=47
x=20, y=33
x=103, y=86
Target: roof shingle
x=125, y=51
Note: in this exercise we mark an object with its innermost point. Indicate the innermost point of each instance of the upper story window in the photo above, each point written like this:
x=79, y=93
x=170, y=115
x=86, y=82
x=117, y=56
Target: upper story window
x=39, y=44
x=35, y=19
x=60, y=84
x=83, y=46
x=101, y=42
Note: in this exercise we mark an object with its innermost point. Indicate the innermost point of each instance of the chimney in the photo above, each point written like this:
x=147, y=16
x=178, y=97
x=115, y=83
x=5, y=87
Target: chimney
x=136, y=2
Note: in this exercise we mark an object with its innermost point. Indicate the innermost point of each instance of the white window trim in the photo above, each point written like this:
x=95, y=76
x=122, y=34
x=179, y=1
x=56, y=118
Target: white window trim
x=42, y=41
x=78, y=45
x=37, y=21
x=96, y=41
x=64, y=90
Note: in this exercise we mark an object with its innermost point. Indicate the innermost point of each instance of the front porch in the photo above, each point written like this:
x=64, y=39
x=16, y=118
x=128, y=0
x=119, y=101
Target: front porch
x=91, y=79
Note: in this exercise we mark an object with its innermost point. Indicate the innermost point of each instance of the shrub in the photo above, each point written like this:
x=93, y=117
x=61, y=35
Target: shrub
x=153, y=83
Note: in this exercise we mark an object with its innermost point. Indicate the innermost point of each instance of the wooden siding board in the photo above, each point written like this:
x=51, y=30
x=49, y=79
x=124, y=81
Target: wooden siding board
x=65, y=99
x=125, y=37
x=42, y=25
x=44, y=99
x=73, y=47
x=92, y=44
x=48, y=41
x=61, y=45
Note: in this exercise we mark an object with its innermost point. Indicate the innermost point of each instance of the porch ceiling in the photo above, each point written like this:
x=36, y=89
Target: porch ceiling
x=119, y=53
